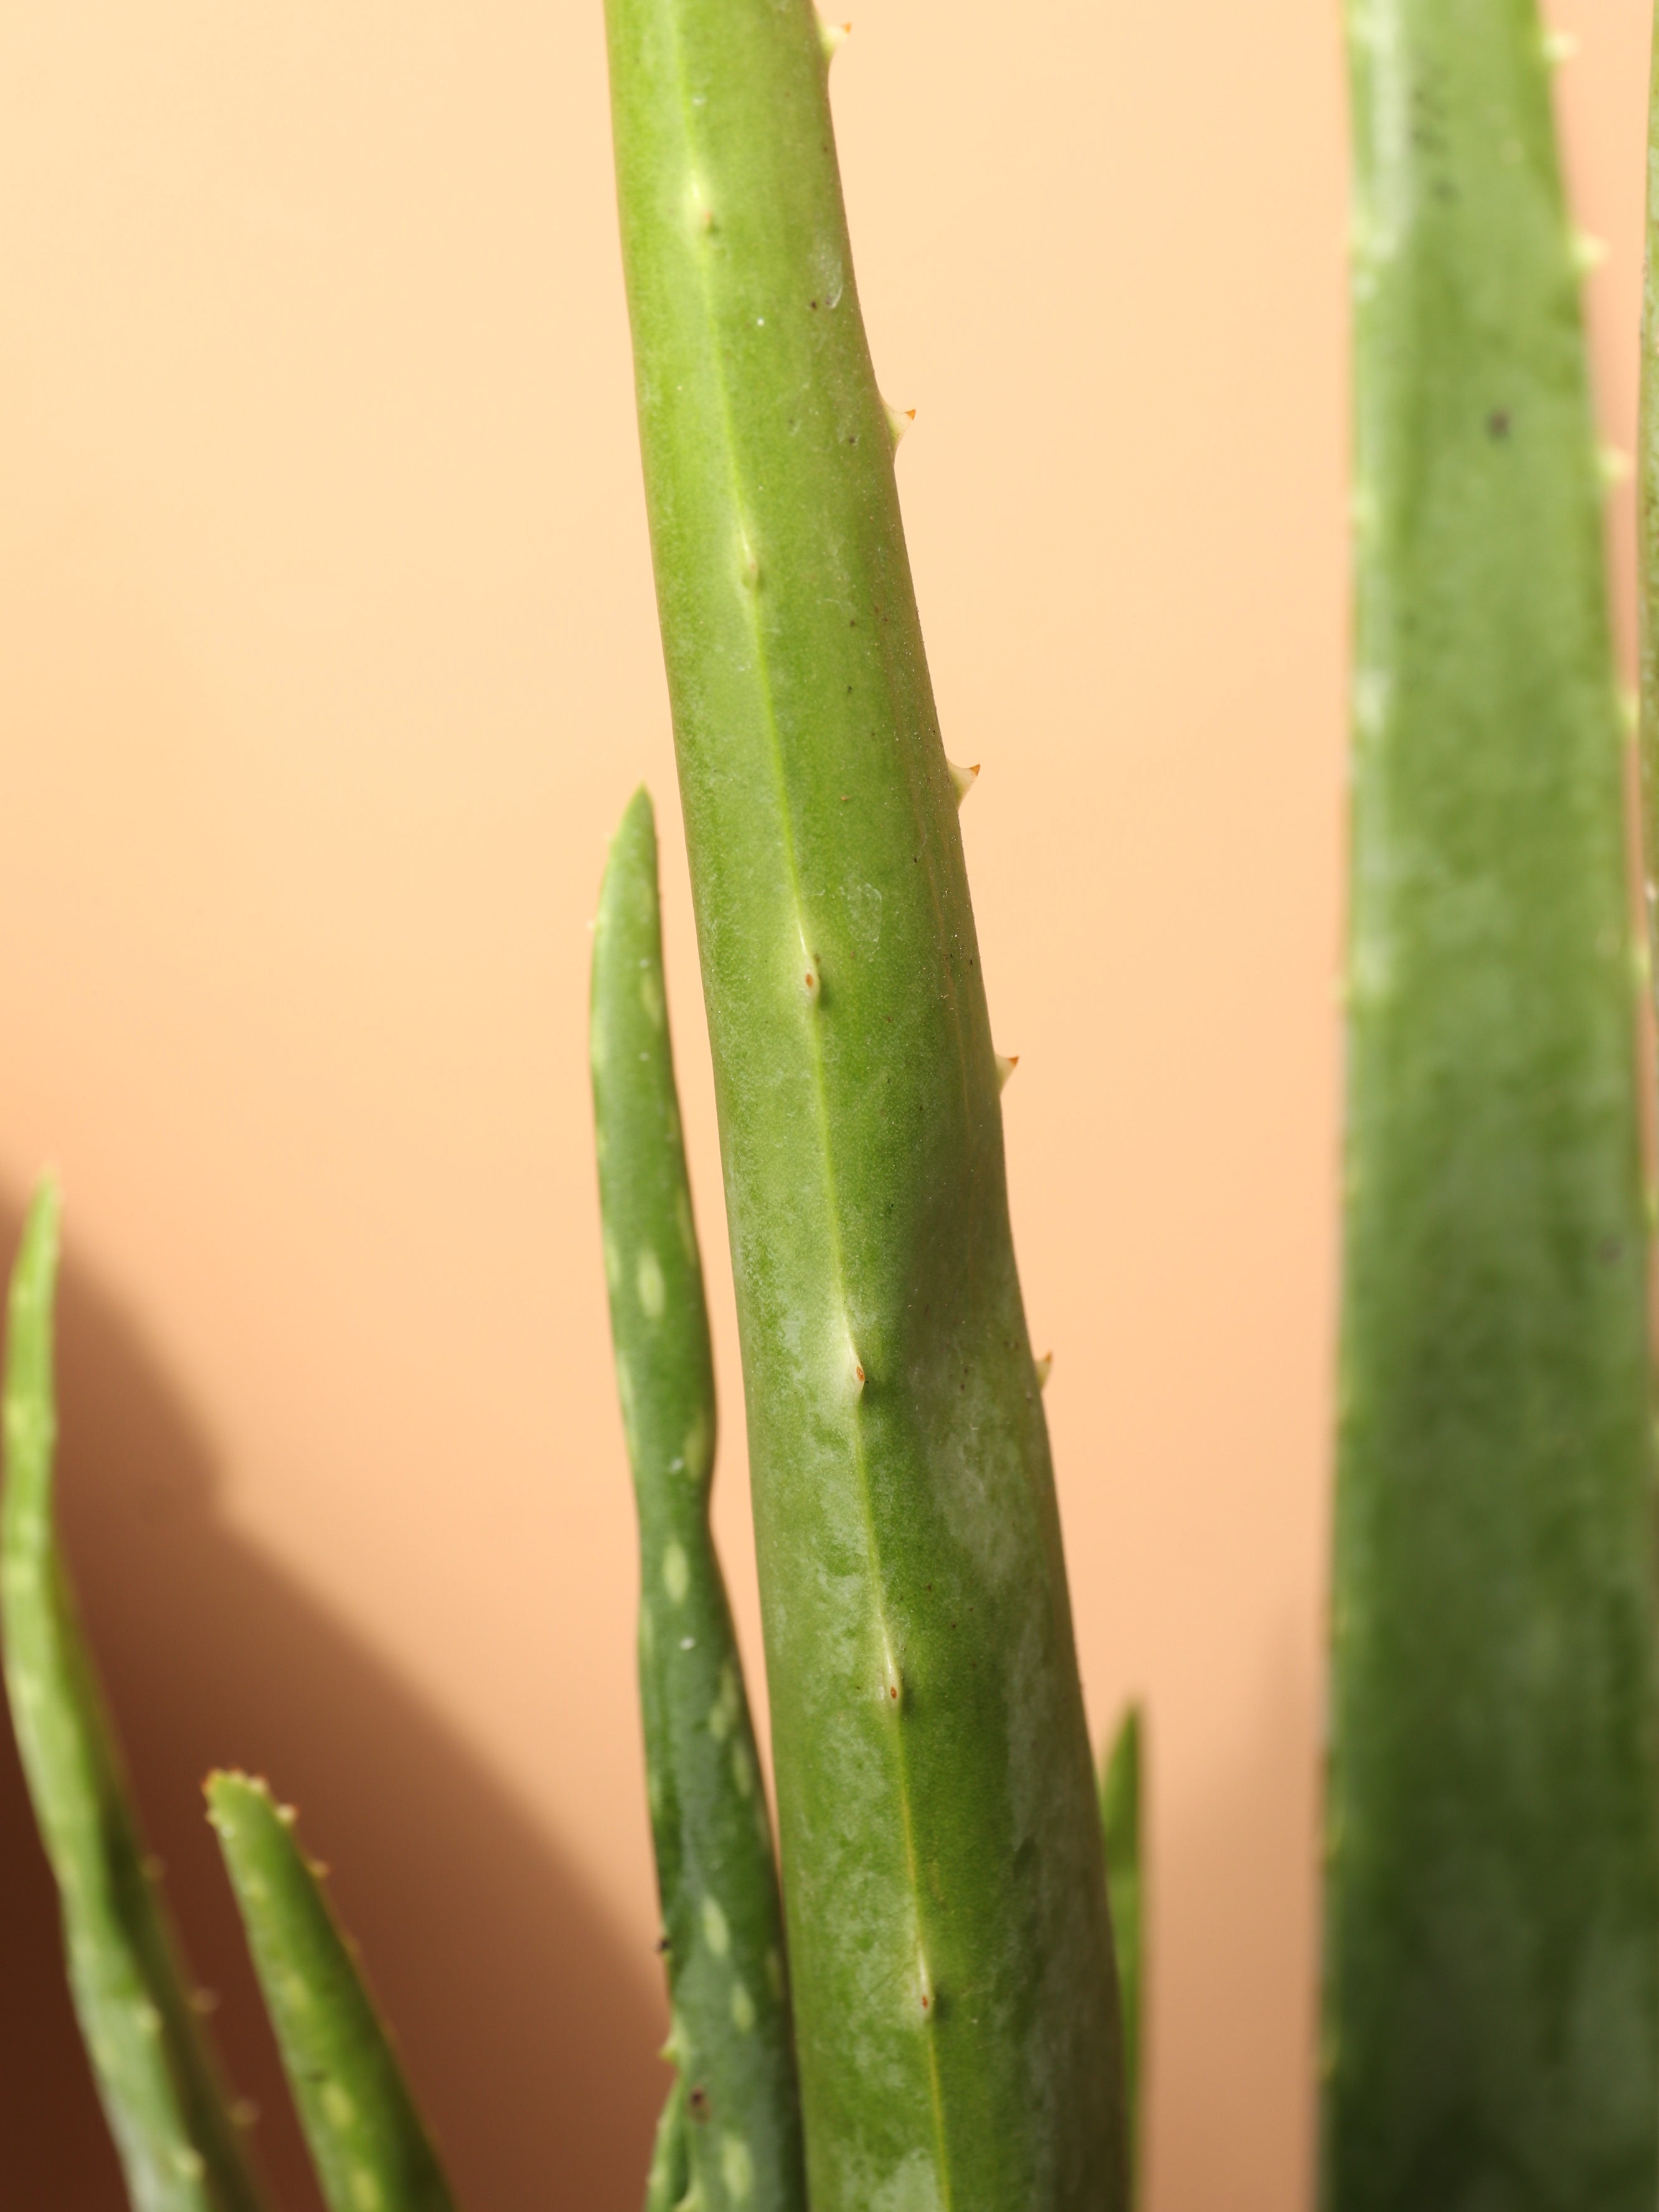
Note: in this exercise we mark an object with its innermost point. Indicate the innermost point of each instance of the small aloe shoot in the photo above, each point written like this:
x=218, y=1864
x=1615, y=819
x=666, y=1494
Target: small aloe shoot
x=180, y=2144
x=1120, y=1822
x=730, y=2134
x=1492, y=1952
x=370, y=2148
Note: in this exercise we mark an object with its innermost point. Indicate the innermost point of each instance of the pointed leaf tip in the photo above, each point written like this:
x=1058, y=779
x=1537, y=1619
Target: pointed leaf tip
x=367, y=2139
x=35, y=1274
x=1045, y=1368
x=1006, y=1063
x=835, y=37
x=899, y=419
x=964, y=778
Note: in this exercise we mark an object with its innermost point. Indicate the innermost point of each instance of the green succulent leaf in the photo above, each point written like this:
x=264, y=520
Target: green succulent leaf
x=370, y=2147
x=950, y=1952
x=180, y=2147
x=1491, y=1933
x=739, y=2131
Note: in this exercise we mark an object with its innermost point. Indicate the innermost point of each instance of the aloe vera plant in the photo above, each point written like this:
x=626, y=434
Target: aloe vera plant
x=925, y=2015
x=1493, y=1879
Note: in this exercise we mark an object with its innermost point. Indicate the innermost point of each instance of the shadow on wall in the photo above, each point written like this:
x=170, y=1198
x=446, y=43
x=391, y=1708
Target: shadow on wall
x=1235, y=1952
x=528, y=2030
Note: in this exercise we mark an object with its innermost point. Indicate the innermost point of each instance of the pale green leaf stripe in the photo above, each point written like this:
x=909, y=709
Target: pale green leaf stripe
x=371, y=2150
x=179, y=2147
x=739, y=2137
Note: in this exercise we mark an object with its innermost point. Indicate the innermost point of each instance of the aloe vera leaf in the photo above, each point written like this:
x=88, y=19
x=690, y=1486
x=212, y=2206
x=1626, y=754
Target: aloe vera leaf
x=368, y=2141
x=179, y=2146
x=723, y=1926
x=1120, y=1826
x=1491, y=1933
x=950, y=1952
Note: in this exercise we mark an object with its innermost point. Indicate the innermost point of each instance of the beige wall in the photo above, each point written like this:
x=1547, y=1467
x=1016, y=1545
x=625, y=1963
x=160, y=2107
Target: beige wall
x=327, y=658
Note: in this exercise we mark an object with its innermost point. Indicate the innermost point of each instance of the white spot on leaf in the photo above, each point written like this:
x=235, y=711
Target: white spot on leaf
x=737, y=2168
x=723, y=1713
x=695, y=1447
x=337, y=2106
